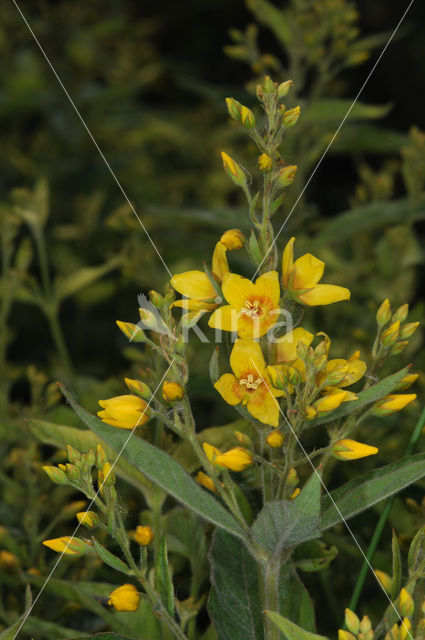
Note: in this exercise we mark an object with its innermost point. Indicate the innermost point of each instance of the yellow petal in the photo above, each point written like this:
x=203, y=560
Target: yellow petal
x=323, y=294
x=210, y=451
x=266, y=410
x=247, y=356
x=194, y=284
x=229, y=388
x=236, y=459
x=354, y=370
x=286, y=347
x=237, y=289
x=224, y=318
x=288, y=261
x=194, y=305
x=267, y=287
x=308, y=271
x=219, y=262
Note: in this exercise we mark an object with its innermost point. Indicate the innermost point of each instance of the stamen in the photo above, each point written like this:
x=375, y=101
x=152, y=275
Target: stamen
x=249, y=383
x=252, y=309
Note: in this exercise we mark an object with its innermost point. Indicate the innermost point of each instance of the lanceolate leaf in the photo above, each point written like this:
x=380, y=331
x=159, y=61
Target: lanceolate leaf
x=163, y=582
x=292, y=631
x=371, y=395
x=288, y=523
x=161, y=469
x=366, y=490
x=108, y=558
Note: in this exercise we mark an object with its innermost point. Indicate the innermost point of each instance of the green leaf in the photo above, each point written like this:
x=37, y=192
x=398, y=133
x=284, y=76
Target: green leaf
x=292, y=631
x=366, y=218
x=416, y=557
x=287, y=523
x=214, y=370
x=235, y=602
x=84, y=277
x=372, y=487
x=102, y=636
x=108, y=558
x=314, y=556
x=83, y=440
x=294, y=600
x=372, y=394
x=356, y=137
x=10, y=633
x=163, y=581
x=397, y=568
x=334, y=110
x=36, y=627
x=161, y=469
x=272, y=17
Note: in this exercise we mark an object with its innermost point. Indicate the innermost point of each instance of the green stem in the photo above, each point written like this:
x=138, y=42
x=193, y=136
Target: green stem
x=383, y=520
x=270, y=575
x=59, y=341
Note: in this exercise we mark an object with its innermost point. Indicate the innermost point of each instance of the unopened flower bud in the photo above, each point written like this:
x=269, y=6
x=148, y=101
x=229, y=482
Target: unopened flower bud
x=139, y=388
x=352, y=622
x=405, y=629
x=234, y=108
x=233, y=170
x=69, y=545
x=205, y=481
x=100, y=458
x=406, y=606
x=295, y=493
x=292, y=479
x=265, y=163
x=365, y=625
x=398, y=347
x=8, y=561
x=310, y=413
x=72, y=472
x=385, y=580
x=143, y=535
x=247, y=118
x=233, y=239
x=275, y=439
x=383, y=315
x=243, y=439
x=408, y=330
x=172, y=391
x=283, y=88
x=89, y=519
x=347, y=449
x=390, y=335
x=131, y=331
x=407, y=381
x=269, y=87
x=291, y=116
x=73, y=455
x=286, y=176
x=125, y=598
x=401, y=313
x=392, y=403
x=156, y=298
x=56, y=475
x=106, y=477
x=345, y=635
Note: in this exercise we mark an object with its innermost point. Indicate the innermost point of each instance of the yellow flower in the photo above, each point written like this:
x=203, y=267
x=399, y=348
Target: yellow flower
x=286, y=348
x=195, y=286
x=250, y=384
x=347, y=449
x=300, y=279
x=143, y=535
x=233, y=239
x=125, y=412
x=125, y=598
x=69, y=545
x=252, y=309
x=89, y=519
x=205, y=481
x=393, y=403
x=274, y=439
x=265, y=163
x=172, y=391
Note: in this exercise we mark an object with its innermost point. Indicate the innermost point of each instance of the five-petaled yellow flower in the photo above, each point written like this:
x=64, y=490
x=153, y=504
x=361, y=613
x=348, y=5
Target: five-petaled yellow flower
x=125, y=412
x=253, y=307
x=125, y=598
x=300, y=279
x=250, y=383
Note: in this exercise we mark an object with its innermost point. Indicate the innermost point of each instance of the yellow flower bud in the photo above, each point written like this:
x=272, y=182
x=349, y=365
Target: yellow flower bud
x=220, y=266
x=347, y=449
x=131, y=331
x=310, y=413
x=269, y=86
x=392, y=403
x=69, y=545
x=100, y=458
x=124, y=412
x=384, y=580
x=405, y=629
x=139, y=388
x=56, y=475
x=143, y=535
x=330, y=401
x=8, y=561
x=398, y=347
x=383, y=315
x=234, y=108
x=352, y=622
x=292, y=479
x=283, y=88
x=265, y=163
x=210, y=451
x=89, y=519
x=275, y=439
x=233, y=239
x=243, y=439
x=106, y=477
x=405, y=603
x=295, y=494
x=172, y=391
x=407, y=381
x=247, y=118
x=390, y=335
x=408, y=330
x=236, y=459
x=205, y=481
x=345, y=635
x=286, y=175
x=125, y=598
x=291, y=116
x=401, y=313
x=365, y=625
x=233, y=170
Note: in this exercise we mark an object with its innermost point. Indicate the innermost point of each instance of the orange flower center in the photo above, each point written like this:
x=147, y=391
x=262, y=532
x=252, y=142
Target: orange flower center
x=252, y=309
x=250, y=383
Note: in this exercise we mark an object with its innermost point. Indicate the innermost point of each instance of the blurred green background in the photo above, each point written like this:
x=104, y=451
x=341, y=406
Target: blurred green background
x=150, y=80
